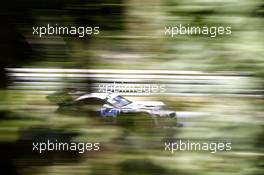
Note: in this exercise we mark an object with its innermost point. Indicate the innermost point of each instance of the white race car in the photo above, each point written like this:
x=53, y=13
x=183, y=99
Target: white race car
x=116, y=104
x=110, y=104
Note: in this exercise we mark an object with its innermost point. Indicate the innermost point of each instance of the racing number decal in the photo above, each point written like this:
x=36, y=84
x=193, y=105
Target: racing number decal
x=110, y=112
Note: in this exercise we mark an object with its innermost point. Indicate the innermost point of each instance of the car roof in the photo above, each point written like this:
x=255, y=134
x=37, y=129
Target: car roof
x=102, y=96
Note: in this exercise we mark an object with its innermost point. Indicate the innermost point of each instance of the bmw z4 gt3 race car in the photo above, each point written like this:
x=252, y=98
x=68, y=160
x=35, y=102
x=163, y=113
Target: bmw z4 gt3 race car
x=111, y=105
x=116, y=105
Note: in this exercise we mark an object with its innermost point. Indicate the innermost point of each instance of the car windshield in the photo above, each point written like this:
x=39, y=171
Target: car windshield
x=120, y=101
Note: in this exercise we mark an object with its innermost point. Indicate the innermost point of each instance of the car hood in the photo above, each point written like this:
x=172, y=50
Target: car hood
x=150, y=103
x=145, y=104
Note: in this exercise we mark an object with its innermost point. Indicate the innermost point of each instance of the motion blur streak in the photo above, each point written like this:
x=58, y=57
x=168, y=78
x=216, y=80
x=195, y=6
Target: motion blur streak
x=215, y=85
x=177, y=83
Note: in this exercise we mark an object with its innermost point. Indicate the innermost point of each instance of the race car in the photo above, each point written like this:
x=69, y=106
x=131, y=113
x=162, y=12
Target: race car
x=116, y=104
x=110, y=104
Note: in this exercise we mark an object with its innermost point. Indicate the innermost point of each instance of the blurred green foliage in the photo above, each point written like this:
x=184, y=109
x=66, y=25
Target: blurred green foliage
x=132, y=37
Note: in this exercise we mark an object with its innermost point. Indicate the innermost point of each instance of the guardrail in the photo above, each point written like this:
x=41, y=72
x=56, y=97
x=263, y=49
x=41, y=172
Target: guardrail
x=176, y=83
